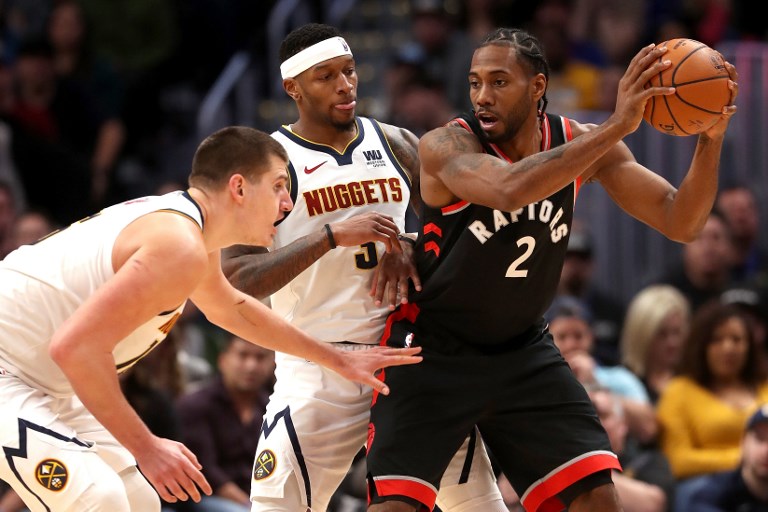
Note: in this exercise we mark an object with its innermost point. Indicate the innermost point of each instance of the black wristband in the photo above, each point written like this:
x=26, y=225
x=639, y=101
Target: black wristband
x=329, y=234
x=406, y=238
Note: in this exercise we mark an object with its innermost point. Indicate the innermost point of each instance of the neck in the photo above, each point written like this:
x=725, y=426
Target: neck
x=526, y=141
x=323, y=133
x=215, y=233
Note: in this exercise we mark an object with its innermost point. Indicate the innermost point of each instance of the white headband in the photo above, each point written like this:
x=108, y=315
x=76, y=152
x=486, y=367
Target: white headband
x=315, y=54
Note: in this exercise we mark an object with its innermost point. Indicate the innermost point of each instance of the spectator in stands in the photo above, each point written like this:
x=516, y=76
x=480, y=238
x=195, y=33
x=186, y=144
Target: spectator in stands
x=703, y=411
x=645, y=483
x=569, y=322
x=753, y=302
x=654, y=332
x=29, y=227
x=744, y=489
x=447, y=50
x=56, y=133
x=738, y=205
x=705, y=271
x=574, y=84
x=222, y=421
x=577, y=280
x=75, y=61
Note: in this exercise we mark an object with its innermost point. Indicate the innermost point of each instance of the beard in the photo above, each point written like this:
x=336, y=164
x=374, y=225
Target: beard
x=513, y=121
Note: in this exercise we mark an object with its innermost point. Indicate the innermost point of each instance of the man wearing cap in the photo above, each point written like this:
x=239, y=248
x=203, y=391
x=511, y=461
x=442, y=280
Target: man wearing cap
x=576, y=279
x=351, y=179
x=744, y=489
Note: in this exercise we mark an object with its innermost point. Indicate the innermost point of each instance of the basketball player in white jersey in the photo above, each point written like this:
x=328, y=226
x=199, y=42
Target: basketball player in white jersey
x=348, y=176
x=88, y=302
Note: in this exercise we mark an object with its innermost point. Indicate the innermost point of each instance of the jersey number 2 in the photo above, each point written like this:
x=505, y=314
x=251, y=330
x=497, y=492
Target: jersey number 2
x=513, y=271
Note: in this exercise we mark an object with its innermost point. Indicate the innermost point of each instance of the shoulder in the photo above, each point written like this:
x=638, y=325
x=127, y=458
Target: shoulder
x=168, y=239
x=404, y=145
x=451, y=137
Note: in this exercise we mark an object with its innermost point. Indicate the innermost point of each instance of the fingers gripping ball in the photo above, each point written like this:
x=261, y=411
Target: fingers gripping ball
x=701, y=80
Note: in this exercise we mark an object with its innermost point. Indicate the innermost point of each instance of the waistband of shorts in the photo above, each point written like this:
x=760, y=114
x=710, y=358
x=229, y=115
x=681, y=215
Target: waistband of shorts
x=351, y=345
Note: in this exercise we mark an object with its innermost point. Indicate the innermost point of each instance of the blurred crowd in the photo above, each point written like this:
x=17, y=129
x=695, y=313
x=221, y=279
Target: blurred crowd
x=97, y=105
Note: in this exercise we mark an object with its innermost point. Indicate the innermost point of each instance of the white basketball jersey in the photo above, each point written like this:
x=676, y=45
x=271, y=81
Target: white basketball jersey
x=330, y=299
x=44, y=283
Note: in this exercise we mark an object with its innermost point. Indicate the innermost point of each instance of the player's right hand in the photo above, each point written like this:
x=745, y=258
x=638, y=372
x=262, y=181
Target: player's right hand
x=360, y=365
x=633, y=93
x=367, y=227
x=173, y=470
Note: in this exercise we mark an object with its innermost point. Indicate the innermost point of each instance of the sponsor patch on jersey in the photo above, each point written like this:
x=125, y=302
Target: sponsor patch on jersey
x=373, y=158
x=265, y=465
x=52, y=474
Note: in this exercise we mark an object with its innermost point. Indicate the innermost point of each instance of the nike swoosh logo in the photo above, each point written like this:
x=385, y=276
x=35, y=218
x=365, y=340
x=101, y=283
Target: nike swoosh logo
x=313, y=169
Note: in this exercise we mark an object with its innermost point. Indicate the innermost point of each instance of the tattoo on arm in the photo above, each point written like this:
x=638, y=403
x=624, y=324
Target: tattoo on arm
x=451, y=141
x=261, y=273
x=404, y=145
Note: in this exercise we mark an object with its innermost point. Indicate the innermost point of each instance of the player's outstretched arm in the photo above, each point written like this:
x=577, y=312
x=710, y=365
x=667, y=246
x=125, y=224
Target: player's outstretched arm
x=251, y=320
x=452, y=168
x=260, y=272
x=156, y=259
x=680, y=213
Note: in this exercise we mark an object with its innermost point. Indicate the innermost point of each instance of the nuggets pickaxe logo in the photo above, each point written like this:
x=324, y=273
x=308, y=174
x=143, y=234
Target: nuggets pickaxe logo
x=52, y=475
x=265, y=465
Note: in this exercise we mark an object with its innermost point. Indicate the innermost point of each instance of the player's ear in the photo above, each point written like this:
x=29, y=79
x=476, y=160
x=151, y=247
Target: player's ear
x=235, y=186
x=292, y=88
x=538, y=86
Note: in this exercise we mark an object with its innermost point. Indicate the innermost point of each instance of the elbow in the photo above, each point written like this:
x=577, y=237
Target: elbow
x=60, y=353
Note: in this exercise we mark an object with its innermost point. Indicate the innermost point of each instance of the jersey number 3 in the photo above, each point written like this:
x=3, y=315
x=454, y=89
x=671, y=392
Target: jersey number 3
x=367, y=258
x=513, y=270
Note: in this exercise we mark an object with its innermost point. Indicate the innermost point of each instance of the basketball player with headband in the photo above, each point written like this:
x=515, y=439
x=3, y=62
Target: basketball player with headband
x=351, y=180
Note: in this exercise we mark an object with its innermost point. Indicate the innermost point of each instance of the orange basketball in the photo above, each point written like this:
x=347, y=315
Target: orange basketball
x=701, y=89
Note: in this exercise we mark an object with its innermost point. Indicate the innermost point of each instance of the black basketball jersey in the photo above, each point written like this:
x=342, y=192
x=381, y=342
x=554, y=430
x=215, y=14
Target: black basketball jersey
x=488, y=276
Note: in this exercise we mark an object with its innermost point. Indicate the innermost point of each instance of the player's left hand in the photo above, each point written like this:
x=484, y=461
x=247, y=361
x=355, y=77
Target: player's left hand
x=717, y=130
x=392, y=274
x=360, y=365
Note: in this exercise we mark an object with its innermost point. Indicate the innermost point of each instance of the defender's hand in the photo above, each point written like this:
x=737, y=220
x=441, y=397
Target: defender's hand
x=367, y=227
x=359, y=366
x=173, y=470
x=392, y=276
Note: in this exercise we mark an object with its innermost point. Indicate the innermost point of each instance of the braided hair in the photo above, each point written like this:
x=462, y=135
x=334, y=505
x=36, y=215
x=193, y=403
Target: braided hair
x=304, y=37
x=528, y=48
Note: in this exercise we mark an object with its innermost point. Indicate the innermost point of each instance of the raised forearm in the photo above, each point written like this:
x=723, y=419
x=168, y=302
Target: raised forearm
x=260, y=273
x=696, y=195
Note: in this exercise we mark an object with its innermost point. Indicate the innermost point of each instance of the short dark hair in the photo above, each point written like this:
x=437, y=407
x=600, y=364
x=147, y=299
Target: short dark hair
x=304, y=37
x=231, y=150
x=528, y=48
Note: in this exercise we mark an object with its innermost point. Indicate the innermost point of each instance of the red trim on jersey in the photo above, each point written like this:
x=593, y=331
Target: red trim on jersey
x=432, y=246
x=568, y=137
x=408, y=488
x=463, y=124
x=538, y=498
x=546, y=134
x=453, y=207
x=433, y=228
x=408, y=311
x=546, y=141
x=567, y=126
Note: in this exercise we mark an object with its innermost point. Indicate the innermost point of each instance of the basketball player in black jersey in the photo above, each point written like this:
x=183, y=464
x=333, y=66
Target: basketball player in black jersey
x=498, y=187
